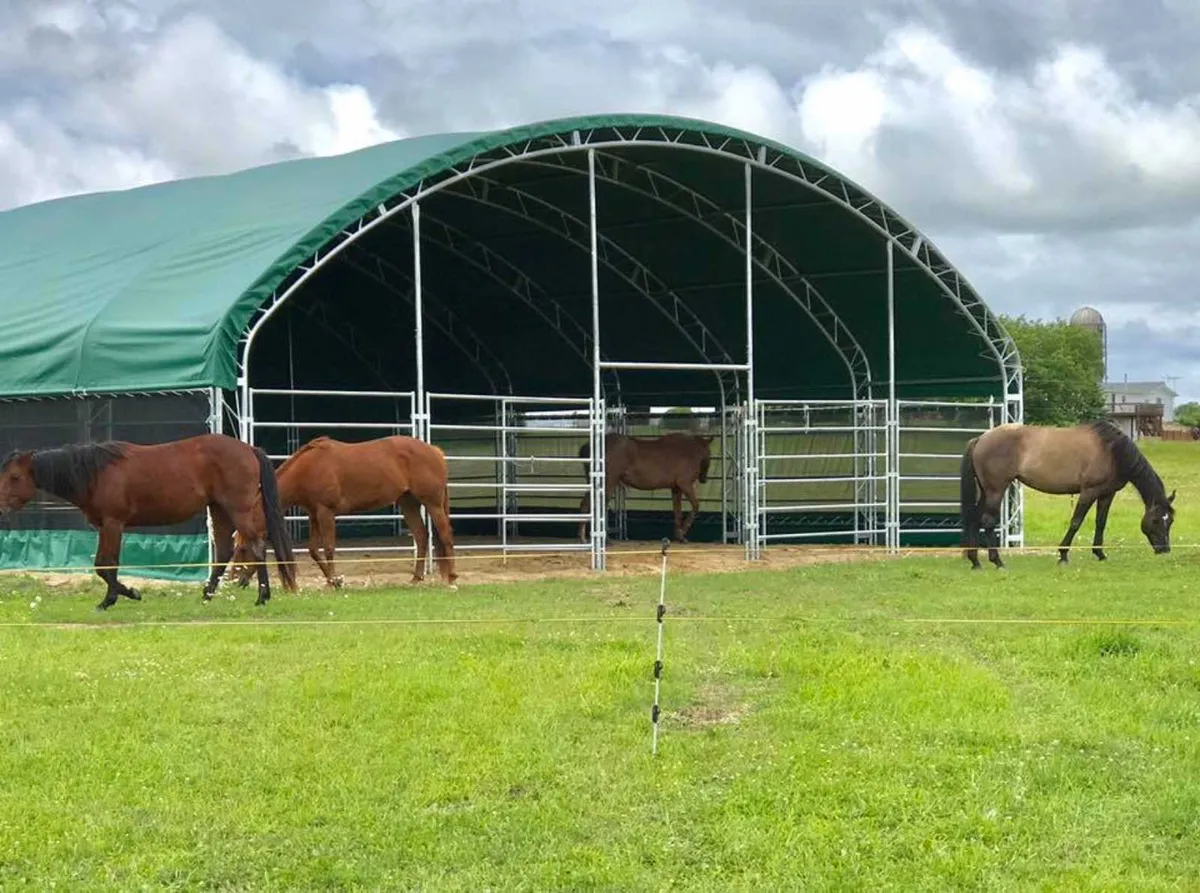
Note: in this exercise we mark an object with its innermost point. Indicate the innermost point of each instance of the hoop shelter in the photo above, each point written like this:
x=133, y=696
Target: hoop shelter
x=482, y=289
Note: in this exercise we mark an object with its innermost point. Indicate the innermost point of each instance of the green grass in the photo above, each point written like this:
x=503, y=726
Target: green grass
x=831, y=727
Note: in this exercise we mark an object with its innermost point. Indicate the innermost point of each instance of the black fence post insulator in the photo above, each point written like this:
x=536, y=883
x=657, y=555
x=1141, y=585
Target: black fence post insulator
x=658, y=663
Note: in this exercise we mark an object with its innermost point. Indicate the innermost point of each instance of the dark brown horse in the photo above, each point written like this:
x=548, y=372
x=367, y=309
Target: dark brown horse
x=118, y=485
x=329, y=477
x=673, y=461
x=1094, y=460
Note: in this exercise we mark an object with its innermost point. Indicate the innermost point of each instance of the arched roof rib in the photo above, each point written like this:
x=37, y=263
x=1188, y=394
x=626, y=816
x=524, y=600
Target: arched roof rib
x=156, y=288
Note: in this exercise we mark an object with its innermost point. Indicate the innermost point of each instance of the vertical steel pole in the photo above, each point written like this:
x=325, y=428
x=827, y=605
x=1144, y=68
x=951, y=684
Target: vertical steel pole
x=599, y=509
x=752, y=467
x=421, y=417
x=215, y=411
x=893, y=414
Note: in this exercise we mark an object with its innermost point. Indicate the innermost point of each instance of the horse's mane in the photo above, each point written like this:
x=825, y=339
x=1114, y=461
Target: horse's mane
x=68, y=472
x=312, y=444
x=1132, y=464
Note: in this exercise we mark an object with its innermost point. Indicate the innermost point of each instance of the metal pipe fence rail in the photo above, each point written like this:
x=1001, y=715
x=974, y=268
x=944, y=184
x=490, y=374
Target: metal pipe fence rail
x=325, y=410
x=932, y=435
x=820, y=457
x=523, y=467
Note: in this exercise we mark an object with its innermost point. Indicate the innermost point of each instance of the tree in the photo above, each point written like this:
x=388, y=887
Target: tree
x=1063, y=367
x=1188, y=414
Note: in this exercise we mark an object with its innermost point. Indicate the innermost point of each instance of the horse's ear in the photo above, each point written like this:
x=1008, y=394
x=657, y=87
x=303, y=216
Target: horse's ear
x=20, y=457
x=1171, y=498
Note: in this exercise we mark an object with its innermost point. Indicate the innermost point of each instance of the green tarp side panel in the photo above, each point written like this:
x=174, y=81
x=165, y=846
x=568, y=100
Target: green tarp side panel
x=62, y=550
x=152, y=288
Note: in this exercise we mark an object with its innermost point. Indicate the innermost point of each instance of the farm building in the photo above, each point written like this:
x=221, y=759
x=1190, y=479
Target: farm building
x=510, y=295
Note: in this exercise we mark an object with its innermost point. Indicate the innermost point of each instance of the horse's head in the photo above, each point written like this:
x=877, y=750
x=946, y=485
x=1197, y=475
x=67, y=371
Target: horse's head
x=241, y=566
x=17, y=485
x=1156, y=523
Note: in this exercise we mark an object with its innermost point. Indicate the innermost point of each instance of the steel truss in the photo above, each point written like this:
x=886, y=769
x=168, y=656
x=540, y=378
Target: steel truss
x=458, y=333
x=670, y=193
x=895, y=232
x=622, y=263
x=517, y=282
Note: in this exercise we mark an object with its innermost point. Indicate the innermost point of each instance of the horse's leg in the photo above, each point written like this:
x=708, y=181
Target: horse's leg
x=584, y=507
x=677, y=508
x=222, y=538
x=1086, y=498
x=1102, y=506
x=443, y=543
x=322, y=536
x=108, y=555
x=690, y=492
x=410, y=506
x=989, y=519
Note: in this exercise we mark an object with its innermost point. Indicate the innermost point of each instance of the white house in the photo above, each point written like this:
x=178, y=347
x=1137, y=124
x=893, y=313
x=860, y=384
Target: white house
x=1122, y=396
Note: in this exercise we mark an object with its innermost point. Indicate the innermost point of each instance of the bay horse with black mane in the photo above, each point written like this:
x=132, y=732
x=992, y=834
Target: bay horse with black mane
x=328, y=477
x=1093, y=460
x=119, y=485
x=673, y=461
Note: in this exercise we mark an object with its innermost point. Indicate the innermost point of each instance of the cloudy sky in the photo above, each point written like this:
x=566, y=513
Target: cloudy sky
x=1051, y=148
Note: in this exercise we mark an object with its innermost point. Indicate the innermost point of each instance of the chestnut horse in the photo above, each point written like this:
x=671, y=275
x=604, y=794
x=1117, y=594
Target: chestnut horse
x=118, y=485
x=673, y=461
x=329, y=477
x=1094, y=460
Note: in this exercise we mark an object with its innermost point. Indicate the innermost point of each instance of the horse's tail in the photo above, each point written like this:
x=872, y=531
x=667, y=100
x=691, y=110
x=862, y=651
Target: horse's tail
x=704, y=463
x=969, y=496
x=276, y=528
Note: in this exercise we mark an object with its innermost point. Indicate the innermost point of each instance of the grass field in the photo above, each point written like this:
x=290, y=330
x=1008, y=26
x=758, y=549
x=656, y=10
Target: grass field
x=883, y=725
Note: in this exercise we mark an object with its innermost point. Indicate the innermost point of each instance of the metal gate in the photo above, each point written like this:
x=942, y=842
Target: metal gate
x=294, y=416
x=931, y=439
x=515, y=465
x=820, y=469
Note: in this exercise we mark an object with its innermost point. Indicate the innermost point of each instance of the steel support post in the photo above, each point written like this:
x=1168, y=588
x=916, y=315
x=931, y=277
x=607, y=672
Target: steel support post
x=751, y=471
x=597, y=415
x=893, y=412
x=421, y=428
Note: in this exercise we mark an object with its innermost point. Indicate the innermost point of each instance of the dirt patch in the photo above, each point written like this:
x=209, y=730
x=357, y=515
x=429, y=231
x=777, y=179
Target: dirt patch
x=635, y=559
x=714, y=706
x=486, y=565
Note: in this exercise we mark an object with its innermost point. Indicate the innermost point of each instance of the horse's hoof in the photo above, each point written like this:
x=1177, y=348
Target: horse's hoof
x=1062, y=562
x=338, y=582
x=453, y=587
x=134, y=594
x=244, y=583
x=206, y=596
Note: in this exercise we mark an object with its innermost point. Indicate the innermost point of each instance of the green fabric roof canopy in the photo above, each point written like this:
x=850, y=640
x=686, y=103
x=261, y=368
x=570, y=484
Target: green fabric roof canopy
x=152, y=288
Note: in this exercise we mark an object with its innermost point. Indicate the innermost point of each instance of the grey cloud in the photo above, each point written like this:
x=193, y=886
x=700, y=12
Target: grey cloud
x=1042, y=204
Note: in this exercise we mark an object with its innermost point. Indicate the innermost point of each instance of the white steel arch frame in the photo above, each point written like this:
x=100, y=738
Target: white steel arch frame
x=614, y=258
x=514, y=280
x=776, y=267
x=458, y=333
x=894, y=230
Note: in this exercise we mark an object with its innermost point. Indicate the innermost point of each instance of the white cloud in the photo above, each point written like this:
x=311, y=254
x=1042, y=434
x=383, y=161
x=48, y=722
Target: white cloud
x=1064, y=141
x=179, y=101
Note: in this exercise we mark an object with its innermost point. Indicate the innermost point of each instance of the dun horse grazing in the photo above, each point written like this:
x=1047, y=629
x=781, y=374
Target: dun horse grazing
x=674, y=461
x=329, y=477
x=1094, y=460
x=119, y=485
